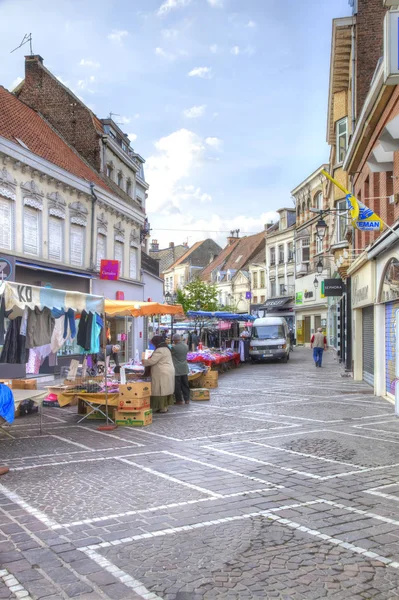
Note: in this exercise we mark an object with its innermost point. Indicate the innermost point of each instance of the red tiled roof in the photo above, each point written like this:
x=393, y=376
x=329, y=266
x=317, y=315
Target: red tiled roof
x=244, y=250
x=18, y=121
x=219, y=260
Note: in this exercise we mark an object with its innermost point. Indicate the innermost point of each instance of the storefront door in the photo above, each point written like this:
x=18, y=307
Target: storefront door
x=317, y=322
x=307, y=330
x=368, y=344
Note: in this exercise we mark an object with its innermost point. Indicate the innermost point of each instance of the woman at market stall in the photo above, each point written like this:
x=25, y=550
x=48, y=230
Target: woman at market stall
x=162, y=375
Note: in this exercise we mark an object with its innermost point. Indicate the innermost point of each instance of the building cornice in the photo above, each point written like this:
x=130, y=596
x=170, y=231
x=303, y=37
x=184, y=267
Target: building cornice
x=25, y=158
x=309, y=180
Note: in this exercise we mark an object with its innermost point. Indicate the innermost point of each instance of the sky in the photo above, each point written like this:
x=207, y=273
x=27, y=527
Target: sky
x=226, y=100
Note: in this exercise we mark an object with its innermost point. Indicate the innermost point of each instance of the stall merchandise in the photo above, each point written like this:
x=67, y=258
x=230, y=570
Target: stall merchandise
x=213, y=356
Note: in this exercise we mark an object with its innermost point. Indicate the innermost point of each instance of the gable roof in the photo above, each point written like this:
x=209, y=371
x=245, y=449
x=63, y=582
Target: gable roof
x=259, y=258
x=167, y=256
x=205, y=274
x=245, y=250
x=19, y=122
x=186, y=255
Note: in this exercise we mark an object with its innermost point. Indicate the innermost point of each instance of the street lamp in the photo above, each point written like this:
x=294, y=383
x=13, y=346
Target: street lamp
x=321, y=229
x=319, y=267
x=316, y=283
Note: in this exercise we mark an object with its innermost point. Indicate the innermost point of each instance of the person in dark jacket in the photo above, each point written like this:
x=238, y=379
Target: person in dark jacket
x=179, y=357
x=111, y=351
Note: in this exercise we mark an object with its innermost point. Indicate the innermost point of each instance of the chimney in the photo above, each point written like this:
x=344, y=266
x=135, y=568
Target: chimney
x=231, y=240
x=268, y=225
x=154, y=246
x=171, y=244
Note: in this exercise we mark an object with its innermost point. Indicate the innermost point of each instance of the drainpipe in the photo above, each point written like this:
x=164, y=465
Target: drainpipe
x=93, y=210
x=353, y=38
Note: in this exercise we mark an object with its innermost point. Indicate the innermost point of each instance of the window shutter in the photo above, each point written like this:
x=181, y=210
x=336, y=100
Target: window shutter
x=77, y=244
x=119, y=250
x=56, y=241
x=6, y=224
x=133, y=263
x=31, y=230
x=101, y=249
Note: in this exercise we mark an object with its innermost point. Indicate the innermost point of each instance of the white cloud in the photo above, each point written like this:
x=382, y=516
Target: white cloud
x=137, y=116
x=132, y=137
x=203, y=72
x=235, y=50
x=214, y=142
x=123, y=120
x=89, y=63
x=117, y=35
x=195, y=111
x=216, y=3
x=169, y=34
x=14, y=84
x=167, y=55
x=214, y=48
x=251, y=24
x=176, y=158
x=169, y=5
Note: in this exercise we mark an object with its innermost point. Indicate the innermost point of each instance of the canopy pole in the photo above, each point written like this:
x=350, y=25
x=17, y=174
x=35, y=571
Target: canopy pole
x=105, y=360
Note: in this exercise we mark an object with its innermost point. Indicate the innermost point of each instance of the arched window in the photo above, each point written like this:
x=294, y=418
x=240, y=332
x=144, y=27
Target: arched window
x=390, y=283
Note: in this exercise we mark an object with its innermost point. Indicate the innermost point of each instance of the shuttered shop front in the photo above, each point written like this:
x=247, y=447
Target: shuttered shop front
x=390, y=349
x=368, y=344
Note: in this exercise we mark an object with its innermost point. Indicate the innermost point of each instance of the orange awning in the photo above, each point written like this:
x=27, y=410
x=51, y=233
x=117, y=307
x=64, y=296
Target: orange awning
x=131, y=308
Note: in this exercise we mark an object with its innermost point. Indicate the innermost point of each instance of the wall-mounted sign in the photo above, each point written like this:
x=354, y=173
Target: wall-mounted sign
x=308, y=295
x=333, y=287
x=391, y=47
x=7, y=268
x=120, y=295
x=248, y=295
x=109, y=270
x=299, y=298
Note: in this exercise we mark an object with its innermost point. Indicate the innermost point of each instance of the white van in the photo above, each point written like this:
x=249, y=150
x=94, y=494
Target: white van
x=270, y=339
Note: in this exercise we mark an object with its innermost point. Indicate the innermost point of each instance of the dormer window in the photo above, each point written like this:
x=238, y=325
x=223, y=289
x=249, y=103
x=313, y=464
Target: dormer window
x=112, y=134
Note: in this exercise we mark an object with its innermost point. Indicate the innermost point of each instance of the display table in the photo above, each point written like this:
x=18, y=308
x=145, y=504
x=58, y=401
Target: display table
x=210, y=358
x=36, y=396
x=93, y=401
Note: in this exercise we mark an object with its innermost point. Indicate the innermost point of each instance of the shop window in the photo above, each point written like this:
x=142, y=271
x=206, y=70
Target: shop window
x=77, y=244
x=55, y=238
x=6, y=223
x=119, y=252
x=31, y=231
x=133, y=267
x=342, y=139
x=101, y=249
x=272, y=256
x=342, y=220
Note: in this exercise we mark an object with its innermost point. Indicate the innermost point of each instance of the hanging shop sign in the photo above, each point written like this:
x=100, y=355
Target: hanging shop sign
x=299, y=298
x=333, y=287
x=109, y=270
x=248, y=295
x=224, y=325
x=7, y=268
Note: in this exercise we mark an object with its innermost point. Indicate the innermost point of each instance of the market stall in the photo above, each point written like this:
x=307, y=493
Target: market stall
x=40, y=320
x=231, y=349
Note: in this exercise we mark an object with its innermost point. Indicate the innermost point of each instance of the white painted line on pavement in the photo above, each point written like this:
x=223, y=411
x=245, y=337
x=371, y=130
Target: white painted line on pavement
x=111, y=435
x=170, y=478
x=30, y=509
x=83, y=460
x=13, y=585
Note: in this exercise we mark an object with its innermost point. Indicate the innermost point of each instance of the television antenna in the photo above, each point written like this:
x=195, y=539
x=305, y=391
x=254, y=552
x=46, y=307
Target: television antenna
x=27, y=38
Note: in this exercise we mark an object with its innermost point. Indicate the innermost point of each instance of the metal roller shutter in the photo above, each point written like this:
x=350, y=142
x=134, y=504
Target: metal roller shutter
x=368, y=344
x=390, y=346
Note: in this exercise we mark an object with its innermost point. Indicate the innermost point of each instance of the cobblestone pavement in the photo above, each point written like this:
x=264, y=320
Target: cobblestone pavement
x=285, y=485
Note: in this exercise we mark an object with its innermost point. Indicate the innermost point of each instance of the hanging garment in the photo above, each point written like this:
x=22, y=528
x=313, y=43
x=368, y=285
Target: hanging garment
x=82, y=330
x=6, y=403
x=95, y=334
x=40, y=327
x=14, y=344
x=57, y=339
x=70, y=325
x=2, y=317
x=36, y=358
x=24, y=322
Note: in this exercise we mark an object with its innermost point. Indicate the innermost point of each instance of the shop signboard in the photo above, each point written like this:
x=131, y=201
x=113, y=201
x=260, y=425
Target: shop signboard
x=224, y=325
x=333, y=287
x=248, y=295
x=299, y=298
x=363, y=286
x=109, y=270
x=7, y=268
x=391, y=47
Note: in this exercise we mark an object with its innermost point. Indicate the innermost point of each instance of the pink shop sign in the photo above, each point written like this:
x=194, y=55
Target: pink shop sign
x=224, y=325
x=110, y=270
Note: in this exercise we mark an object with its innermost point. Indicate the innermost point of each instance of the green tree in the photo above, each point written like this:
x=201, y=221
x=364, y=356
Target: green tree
x=198, y=295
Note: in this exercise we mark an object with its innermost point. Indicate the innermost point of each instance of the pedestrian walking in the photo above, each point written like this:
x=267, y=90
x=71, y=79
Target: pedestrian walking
x=179, y=356
x=162, y=375
x=319, y=344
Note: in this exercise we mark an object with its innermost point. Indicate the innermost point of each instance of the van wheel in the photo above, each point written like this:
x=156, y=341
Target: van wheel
x=285, y=359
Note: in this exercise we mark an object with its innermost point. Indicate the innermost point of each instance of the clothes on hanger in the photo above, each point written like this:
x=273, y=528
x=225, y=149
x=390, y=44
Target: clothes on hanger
x=40, y=327
x=14, y=348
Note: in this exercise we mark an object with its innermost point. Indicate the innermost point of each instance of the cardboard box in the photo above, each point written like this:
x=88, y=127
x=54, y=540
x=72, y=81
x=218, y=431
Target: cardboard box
x=200, y=394
x=140, y=418
x=210, y=384
x=135, y=404
x=133, y=390
x=24, y=384
x=214, y=375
